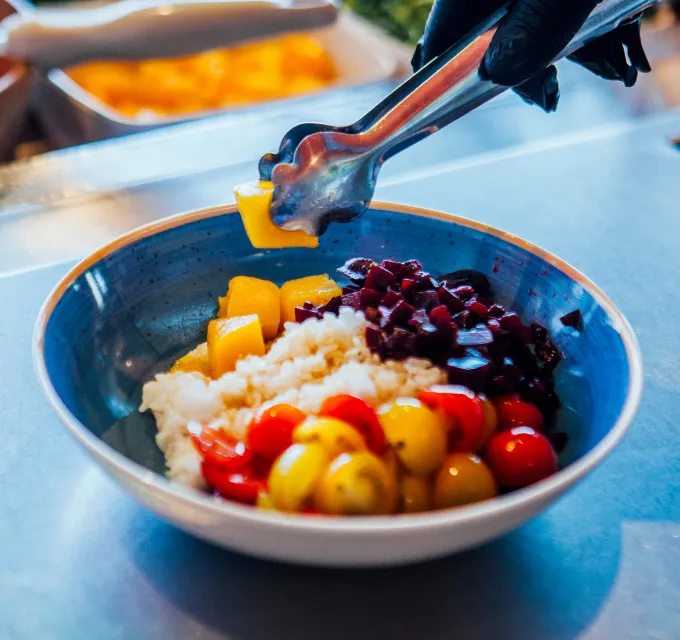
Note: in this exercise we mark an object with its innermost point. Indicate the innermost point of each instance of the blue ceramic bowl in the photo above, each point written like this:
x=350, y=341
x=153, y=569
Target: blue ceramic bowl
x=128, y=311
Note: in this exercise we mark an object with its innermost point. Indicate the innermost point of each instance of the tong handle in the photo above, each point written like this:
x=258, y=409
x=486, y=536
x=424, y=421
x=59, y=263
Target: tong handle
x=138, y=29
x=450, y=85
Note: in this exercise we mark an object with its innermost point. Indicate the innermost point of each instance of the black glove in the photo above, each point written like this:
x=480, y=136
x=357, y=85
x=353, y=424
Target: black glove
x=528, y=39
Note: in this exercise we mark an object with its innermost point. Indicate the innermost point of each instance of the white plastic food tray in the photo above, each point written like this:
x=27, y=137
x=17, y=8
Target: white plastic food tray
x=72, y=116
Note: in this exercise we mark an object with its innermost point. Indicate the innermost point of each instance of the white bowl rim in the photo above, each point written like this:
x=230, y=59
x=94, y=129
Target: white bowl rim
x=365, y=525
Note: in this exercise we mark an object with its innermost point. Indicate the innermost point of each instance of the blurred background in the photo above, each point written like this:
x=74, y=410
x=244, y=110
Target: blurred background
x=371, y=43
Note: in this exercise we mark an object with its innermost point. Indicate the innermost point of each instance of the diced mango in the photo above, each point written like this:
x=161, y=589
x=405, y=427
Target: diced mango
x=230, y=339
x=194, y=361
x=254, y=201
x=251, y=295
x=315, y=289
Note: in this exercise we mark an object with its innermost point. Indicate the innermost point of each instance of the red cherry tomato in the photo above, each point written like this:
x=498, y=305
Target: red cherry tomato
x=513, y=412
x=219, y=448
x=521, y=456
x=271, y=433
x=360, y=415
x=239, y=487
x=463, y=411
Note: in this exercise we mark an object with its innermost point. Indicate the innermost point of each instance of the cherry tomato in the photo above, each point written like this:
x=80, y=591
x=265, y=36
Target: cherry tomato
x=360, y=415
x=271, y=433
x=355, y=484
x=219, y=448
x=463, y=479
x=416, y=433
x=239, y=487
x=295, y=475
x=335, y=436
x=464, y=414
x=513, y=412
x=521, y=456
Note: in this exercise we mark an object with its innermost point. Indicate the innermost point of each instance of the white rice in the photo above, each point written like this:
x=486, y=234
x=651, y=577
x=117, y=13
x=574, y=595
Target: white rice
x=308, y=363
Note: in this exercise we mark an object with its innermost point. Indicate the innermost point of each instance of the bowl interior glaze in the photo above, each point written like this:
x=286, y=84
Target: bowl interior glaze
x=135, y=309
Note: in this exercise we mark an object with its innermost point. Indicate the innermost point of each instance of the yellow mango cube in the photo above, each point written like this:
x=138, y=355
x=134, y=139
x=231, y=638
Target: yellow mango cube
x=230, y=339
x=194, y=361
x=247, y=296
x=315, y=289
x=254, y=201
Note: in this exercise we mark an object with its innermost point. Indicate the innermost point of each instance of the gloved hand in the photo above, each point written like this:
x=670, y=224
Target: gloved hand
x=529, y=38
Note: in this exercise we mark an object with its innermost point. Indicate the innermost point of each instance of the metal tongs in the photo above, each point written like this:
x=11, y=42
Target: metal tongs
x=326, y=174
x=136, y=29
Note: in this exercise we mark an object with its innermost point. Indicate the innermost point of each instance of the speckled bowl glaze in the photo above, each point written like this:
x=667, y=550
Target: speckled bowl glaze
x=126, y=312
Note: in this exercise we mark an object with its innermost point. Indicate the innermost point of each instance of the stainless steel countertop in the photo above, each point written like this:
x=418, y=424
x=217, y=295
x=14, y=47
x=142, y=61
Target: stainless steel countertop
x=81, y=560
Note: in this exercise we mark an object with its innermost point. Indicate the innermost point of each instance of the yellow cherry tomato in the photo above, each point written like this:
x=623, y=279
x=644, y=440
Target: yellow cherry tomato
x=355, y=484
x=463, y=479
x=335, y=436
x=490, y=419
x=416, y=494
x=416, y=433
x=294, y=476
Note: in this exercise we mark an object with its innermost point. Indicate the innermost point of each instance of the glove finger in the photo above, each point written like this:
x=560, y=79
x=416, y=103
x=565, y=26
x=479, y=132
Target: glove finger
x=630, y=36
x=532, y=36
x=542, y=90
x=448, y=22
x=606, y=58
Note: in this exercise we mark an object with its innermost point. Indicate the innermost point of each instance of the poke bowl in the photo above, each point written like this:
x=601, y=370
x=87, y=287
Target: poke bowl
x=447, y=384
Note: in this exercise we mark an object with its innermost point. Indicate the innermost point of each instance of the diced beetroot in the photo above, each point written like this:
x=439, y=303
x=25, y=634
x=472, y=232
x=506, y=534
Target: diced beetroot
x=372, y=315
x=409, y=287
x=419, y=318
x=302, y=314
x=356, y=269
x=464, y=292
x=461, y=319
x=497, y=310
x=512, y=323
x=475, y=337
x=475, y=306
x=350, y=288
x=373, y=338
x=352, y=300
x=391, y=298
x=308, y=306
x=448, y=332
x=411, y=267
x=453, y=303
x=475, y=279
x=425, y=281
x=333, y=305
x=370, y=297
x=539, y=334
x=541, y=392
x=573, y=319
x=440, y=314
x=393, y=267
x=430, y=343
x=379, y=278
x=549, y=354
x=399, y=344
x=425, y=300
x=494, y=326
x=398, y=315
x=486, y=300
x=470, y=371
